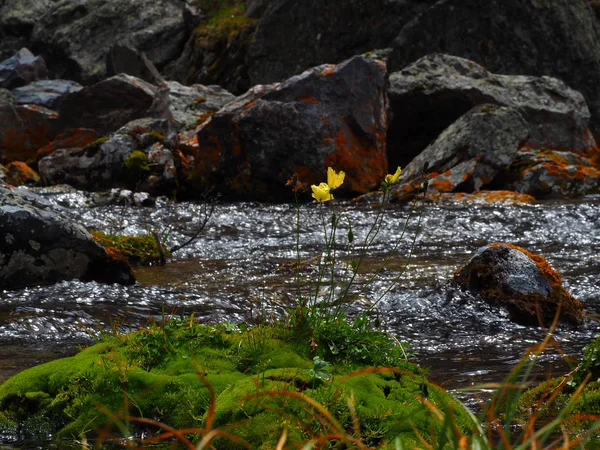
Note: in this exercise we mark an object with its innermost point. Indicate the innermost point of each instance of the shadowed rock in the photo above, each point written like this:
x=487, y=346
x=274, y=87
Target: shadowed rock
x=40, y=246
x=558, y=38
x=469, y=153
x=434, y=91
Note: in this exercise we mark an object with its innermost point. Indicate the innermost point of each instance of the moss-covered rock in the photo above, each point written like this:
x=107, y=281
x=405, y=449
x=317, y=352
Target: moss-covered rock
x=252, y=384
x=136, y=249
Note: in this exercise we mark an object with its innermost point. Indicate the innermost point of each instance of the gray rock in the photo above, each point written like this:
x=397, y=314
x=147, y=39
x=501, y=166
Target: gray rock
x=558, y=38
x=77, y=35
x=187, y=103
x=431, y=93
x=327, y=116
x=469, y=153
x=123, y=58
x=47, y=93
x=96, y=167
x=22, y=68
x=40, y=246
x=107, y=105
x=521, y=282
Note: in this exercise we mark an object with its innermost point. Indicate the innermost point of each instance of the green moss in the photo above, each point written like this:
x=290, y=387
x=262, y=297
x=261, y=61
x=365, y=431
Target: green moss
x=136, y=249
x=163, y=372
x=136, y=166
x=97, y=143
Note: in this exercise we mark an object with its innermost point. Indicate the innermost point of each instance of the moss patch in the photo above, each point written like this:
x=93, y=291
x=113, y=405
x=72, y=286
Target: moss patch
x=142, y=250
x=260, y=380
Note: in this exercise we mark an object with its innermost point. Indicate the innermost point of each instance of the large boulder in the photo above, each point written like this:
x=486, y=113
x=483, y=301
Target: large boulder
x=522, y=283
x=23, y=130
x=330, y=115
x=106, y=106
x=434, y=91
x=512, y=37
x=40, y=246
x=75, y=37
x=469, y=153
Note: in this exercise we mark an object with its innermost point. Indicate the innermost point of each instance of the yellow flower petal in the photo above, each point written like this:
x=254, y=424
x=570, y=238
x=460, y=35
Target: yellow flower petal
x=335, y=180
x=391, y=179
x=321, y=192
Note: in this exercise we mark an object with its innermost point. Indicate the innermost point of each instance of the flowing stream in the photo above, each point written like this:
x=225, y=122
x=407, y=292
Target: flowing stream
x=239, y=270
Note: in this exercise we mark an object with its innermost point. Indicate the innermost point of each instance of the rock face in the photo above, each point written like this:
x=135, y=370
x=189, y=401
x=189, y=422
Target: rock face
x=512, y=37
x=469, y=153
x=107, y=105
x=434, y=91
x=329, y=33
x=39, y=246
x=327, y=116
x=521, y=282
x=74, y=37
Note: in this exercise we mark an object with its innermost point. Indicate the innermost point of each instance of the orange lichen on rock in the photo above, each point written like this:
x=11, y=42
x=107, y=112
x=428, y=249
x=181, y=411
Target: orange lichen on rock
x=328, y=70
x=207, y=158
x=19, y=173
x=364, y=162
x=308, y=99
x=73, y=138
x=492, y=197
x=442, y=185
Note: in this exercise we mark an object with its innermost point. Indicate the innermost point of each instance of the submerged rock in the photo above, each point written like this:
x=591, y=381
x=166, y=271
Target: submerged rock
x=521, y=282
x=40, y=246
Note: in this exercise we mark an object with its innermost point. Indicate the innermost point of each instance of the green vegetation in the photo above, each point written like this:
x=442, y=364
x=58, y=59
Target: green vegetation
x=136, y=166
x=253, y=384
x=136, y=249
x=574, y=398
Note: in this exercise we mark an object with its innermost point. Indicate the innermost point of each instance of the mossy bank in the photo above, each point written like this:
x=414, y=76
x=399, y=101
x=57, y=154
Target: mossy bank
x=251, y=384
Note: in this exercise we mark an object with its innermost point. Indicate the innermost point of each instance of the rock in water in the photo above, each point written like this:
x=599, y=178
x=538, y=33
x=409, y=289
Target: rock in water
x=40, y=246
x=521, y=282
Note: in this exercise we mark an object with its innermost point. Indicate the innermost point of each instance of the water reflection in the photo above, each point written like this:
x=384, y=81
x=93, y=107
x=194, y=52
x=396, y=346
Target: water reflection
x=234, y=272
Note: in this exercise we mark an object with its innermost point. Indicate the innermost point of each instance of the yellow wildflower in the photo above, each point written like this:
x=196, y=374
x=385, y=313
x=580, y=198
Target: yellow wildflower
x=321, y=193
x=335, y=180
x=391, y=179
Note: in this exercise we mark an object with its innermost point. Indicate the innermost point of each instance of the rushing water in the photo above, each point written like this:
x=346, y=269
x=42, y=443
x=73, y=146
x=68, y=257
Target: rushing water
x=237, y=271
